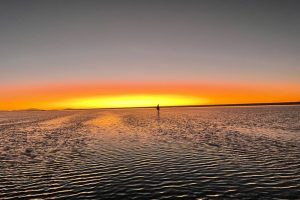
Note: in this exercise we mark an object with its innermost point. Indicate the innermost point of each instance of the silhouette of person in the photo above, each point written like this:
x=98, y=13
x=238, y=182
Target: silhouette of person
x=158, y=116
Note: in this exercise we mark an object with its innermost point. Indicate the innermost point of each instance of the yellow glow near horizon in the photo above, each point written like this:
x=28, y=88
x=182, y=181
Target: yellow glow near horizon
x=140, y=95
x=128, y=101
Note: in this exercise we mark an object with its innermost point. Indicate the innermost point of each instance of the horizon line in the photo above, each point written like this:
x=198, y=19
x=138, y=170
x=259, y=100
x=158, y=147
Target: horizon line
x=206, y=105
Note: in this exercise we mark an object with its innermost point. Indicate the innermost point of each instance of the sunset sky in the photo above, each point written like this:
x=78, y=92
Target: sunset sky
x=94, y=54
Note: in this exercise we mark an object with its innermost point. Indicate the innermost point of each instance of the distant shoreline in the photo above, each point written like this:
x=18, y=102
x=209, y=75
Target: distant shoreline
x=183, y=106
x=243, y=104
x=211, y=105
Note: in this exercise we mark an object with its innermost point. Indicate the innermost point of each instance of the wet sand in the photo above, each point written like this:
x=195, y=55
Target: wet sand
x=182, y=153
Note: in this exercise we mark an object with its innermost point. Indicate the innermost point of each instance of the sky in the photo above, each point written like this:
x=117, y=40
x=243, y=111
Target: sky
x=84, y=54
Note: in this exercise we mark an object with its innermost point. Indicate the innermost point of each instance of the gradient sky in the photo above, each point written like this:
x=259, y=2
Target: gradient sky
x=218, y=51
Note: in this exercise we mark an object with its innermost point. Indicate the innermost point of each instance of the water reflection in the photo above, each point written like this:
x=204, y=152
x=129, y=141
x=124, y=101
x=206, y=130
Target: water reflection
x=159, y=128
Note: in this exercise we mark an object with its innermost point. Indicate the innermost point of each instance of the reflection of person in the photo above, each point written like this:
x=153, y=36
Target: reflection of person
x=157, y=107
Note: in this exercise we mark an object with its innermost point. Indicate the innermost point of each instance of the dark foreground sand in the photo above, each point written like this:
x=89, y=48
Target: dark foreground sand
x=184, y=153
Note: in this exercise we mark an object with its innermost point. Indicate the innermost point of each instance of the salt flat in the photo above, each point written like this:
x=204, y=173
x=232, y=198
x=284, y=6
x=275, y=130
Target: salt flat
x=184, y=153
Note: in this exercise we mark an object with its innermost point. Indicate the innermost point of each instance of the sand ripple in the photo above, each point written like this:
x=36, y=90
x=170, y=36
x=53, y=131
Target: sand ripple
x=184, y=153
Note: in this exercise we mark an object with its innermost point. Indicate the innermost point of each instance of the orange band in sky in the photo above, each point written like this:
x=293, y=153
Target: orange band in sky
x=107, y=95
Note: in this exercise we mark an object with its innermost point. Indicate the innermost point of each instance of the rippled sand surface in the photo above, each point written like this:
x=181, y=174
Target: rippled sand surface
x=184, y=153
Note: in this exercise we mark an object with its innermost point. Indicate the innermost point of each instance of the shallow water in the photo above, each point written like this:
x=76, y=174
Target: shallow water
x=184, y=153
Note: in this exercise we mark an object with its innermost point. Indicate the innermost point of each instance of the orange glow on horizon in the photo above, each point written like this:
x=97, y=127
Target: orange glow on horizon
x=107, y=95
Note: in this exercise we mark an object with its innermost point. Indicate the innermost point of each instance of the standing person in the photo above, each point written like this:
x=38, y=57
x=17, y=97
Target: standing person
x=157, y=108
